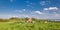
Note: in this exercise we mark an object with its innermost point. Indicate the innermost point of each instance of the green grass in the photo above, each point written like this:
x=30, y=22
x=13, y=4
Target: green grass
x=36, y=25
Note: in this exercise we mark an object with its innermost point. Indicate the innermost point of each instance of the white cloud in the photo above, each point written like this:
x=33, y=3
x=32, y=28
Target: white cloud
x=25, y=15
x=18, y=11
x=38, y=12
x=11, y=0
x=57, y=15
x=44, y=2
x=23, y=10
x=46, y=8
x=5, y=16
x=27, y=1
x=51, y=8
x=54, y=16
x=28, y=5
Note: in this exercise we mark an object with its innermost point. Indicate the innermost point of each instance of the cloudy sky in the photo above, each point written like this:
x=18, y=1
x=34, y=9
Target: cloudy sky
x=44, y=9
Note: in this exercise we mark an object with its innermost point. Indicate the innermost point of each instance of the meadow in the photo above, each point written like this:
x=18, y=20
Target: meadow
x=21, y=24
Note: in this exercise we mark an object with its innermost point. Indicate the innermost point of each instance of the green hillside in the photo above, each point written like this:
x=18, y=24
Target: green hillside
x=21, y=24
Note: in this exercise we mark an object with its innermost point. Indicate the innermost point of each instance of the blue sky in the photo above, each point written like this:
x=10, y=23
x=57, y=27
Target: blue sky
x=44, y=9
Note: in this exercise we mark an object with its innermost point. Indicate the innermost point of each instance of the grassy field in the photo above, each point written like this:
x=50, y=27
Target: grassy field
x=20, y=24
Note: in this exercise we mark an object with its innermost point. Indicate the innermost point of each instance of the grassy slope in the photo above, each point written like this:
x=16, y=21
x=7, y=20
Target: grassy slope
x=37, y=25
